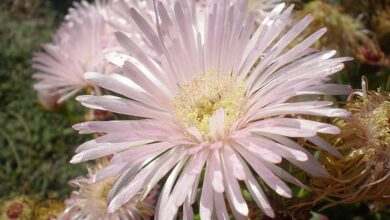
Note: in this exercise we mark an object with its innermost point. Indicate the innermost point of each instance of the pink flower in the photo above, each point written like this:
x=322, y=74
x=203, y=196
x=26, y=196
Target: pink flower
x=89, y=201
x=79, y=46
x=217, y=99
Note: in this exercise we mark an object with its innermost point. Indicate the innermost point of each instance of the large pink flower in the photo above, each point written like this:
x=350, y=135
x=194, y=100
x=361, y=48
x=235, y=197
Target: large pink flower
x=79, y=46
x=217, y=98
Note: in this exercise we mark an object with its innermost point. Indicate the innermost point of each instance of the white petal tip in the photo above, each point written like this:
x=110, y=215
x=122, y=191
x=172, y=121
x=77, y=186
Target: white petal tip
x=302, y=157
x=78, y=127
x=76, y=159
x=82, y=98
x=283, y=193
x=330, y=130
x=111, y=208
x=269, y=212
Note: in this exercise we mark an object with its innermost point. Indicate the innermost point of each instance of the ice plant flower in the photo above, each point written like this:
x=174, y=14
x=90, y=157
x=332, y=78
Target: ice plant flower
x=363, y=174
x=216, y=100
x=79, y=46
x=89, y=200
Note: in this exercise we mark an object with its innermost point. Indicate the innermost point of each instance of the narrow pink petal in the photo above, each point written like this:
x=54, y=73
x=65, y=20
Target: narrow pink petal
x=327, y=89
x=234, y=162
x=285, y=175
x=206, y=199
x=188, y=213
x=259, y=151
x=264, y=173
x=199, y=160
x=184, y=184
x=284, y=151
x=215, y=167
x=311, y=165
x=168, y=185
x=233, y=190
x=297, y=123
x=121, y=85
x=220, y=205
x=257, y=193
x=138, y=182
x=105, y=149
x=112, y=126
x=325, y=145
x=120, y=106
x=285, y=131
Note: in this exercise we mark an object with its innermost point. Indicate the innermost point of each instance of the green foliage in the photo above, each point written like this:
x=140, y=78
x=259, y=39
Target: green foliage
x=36, y=144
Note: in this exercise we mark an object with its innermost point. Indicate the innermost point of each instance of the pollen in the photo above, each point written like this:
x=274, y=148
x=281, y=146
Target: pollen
x=198, y=101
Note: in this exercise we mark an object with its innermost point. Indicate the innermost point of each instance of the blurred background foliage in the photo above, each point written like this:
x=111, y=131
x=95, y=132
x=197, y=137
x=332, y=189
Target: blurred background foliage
x=37, y=144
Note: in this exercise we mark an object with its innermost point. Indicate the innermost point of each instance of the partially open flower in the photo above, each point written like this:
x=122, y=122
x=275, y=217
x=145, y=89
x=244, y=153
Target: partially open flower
x=364, y=173
x=89, y=201
x=79, y=46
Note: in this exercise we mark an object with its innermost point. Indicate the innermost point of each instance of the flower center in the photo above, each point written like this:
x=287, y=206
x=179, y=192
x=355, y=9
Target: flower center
x=198, y=101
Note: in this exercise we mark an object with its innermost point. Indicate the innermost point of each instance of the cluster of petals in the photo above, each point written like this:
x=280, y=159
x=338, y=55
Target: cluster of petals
x=88, y=201
x=78, y=46
x=223, y=40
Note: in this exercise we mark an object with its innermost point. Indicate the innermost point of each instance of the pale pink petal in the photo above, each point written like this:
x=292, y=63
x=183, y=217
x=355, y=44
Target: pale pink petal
x=325, y=145
x=120, y=105
x=105, y=149
x=233, y=190
x=220, y=205
x=285, y=131
x=234, y=162
x=141, y=178
x=257, y=193
x=206, y=199
x=269, y=178
x=215, y=167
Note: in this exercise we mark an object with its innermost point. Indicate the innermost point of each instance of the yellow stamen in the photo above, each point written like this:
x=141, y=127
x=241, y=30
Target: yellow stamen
x=198, y=101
